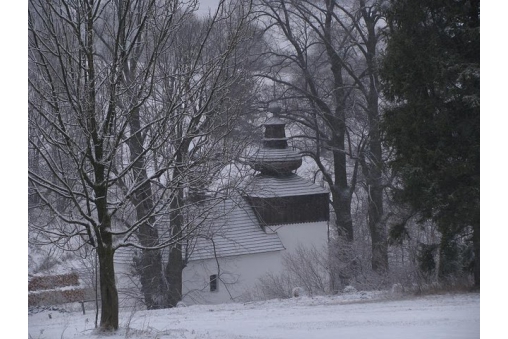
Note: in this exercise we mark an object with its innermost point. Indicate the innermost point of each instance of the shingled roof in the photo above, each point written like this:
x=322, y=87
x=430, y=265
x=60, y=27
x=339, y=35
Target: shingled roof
x=275, y=196
x=232, y=229
x=267, y=186
x=236, y=232
x=265, y=155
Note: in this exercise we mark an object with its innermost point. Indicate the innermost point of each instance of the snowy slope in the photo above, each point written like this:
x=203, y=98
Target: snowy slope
x=358, y=316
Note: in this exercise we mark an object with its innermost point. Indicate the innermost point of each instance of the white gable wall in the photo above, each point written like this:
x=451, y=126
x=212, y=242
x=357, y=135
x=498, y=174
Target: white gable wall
x=239, y=274
x=309, y=234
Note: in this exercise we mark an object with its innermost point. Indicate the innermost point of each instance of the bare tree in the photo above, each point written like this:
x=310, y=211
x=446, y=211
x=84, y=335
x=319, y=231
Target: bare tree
x=324, y=71
x=197, y=74
x=210, y=74
x=113, y=147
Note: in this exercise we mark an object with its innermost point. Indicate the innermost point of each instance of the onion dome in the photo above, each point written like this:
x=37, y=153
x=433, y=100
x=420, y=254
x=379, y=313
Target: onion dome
x=275, y=157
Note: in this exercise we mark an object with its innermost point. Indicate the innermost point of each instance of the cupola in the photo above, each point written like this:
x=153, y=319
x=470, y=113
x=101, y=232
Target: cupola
x=275, y=157
x=278, y=195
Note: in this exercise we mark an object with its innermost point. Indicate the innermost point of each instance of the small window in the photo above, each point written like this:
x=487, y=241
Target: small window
x=213, y=283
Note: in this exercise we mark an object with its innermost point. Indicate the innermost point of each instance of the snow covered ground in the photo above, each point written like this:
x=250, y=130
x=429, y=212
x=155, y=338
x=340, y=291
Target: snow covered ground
x=360, y=315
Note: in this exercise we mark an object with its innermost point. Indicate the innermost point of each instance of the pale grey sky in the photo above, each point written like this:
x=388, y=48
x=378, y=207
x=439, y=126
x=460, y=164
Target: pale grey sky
x=206, y=5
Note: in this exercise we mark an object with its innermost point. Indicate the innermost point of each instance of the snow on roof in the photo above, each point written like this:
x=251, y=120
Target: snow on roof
x=274, y=121
x=236, y=232
x=232, y=229
x=267, y=186
x=274, y=154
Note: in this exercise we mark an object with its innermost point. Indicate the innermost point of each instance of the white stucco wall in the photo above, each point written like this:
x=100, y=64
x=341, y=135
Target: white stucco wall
x=311, y=234
x=239, y=274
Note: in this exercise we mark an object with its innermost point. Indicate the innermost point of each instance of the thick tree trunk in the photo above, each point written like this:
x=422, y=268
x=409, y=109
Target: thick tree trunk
x=377, y=231
x=373, y=168
x=105, y=252
x=174, y=267
x=174, y=275
x=150, y=270
x=341, y=197
x=377, y=226
x=341, y=192
x=150, y=263
x=109, y=293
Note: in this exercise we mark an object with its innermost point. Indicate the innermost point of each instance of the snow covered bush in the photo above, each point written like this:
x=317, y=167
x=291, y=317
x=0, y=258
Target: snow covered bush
x=349, y=289
x=273, y=286
x=298, y=292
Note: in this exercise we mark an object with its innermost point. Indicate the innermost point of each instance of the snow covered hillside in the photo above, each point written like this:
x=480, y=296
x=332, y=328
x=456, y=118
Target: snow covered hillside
x=360, y=315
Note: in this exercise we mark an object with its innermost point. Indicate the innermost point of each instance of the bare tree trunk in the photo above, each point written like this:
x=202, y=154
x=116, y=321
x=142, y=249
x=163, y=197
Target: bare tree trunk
x=329, y=100
x=374, y=179
x=373, y=167
x=341, y=192
x=109, y=293
x=105, y=251
x=341, y=202
x=174, y=267
x=150, y=263
x=173, y=273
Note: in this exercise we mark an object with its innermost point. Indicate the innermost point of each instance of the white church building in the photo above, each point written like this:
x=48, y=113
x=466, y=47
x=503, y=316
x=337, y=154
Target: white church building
x=245, y=237
x=277, y=213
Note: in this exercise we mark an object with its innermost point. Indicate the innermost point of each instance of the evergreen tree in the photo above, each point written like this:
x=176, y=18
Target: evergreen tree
x=431, y=76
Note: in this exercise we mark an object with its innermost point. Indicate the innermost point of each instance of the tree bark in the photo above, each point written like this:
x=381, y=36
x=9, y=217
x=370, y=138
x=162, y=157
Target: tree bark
x=174, y=267
x=373, y=169
x=173, y=273
x=150, y=263
x=149, y=266
x=373, y=174
x=341, y=192
x=341, y=202
x=105, y=251
x=109, y=293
